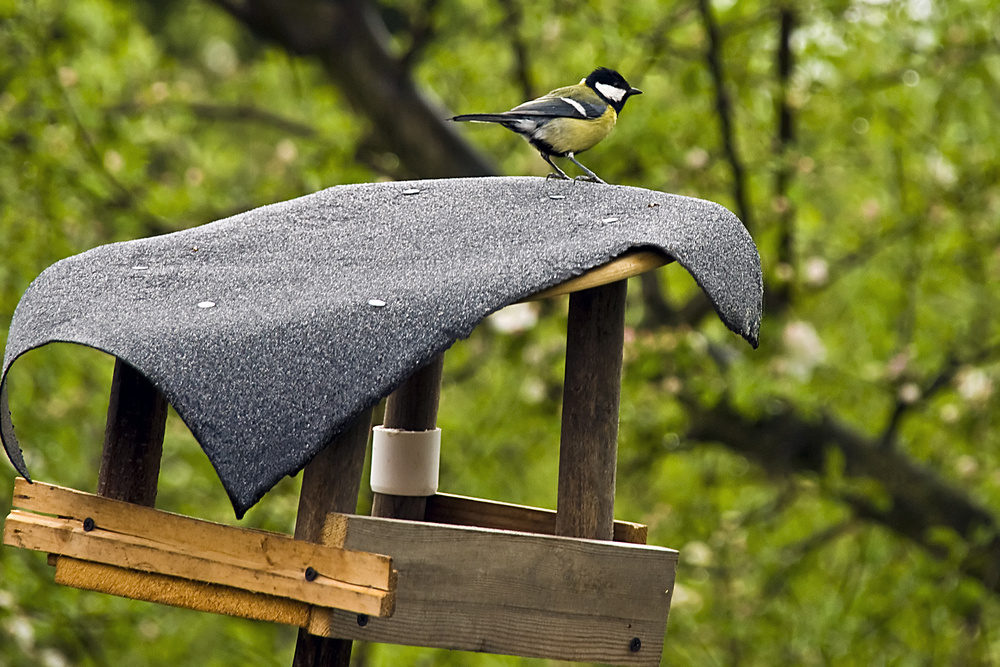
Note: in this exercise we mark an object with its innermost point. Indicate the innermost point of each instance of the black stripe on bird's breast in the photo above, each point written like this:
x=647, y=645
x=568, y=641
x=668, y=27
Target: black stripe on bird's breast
x=545, y=147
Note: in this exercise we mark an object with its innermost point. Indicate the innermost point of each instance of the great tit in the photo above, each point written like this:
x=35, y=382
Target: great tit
x=567, y=120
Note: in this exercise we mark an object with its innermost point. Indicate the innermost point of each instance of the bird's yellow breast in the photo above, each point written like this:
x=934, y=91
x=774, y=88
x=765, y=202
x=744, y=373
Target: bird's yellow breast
x=575, y=135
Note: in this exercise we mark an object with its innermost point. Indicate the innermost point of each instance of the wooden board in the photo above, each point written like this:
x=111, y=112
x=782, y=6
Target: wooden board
x=464, y=511
x=514, y=593
x=178, y=592
x=625, y=266
x=148, y=540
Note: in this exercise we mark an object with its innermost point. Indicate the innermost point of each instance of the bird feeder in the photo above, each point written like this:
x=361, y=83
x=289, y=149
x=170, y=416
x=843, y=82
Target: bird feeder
x=273, y=334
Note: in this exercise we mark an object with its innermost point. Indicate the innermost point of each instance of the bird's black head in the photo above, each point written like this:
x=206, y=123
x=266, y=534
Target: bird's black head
x=611, y=86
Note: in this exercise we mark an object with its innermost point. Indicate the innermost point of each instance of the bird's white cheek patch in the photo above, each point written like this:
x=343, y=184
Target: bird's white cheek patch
x=576, y=105
x=611, y=92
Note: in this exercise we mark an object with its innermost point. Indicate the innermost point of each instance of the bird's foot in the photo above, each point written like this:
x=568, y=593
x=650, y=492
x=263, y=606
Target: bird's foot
x=558, y=177
x=593, y=178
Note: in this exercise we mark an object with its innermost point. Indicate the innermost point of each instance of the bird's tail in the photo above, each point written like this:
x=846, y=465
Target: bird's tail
x=482, y=117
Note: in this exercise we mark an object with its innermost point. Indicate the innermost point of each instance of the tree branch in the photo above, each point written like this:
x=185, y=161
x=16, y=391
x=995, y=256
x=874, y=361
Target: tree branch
x=351, y=41
x=126, y=197
x=421, y=33
x=901, y=407
x=914, y=502
x=656, y=310
x=237, y=113
x=513, y=17
x=724, y=110
x=952, y=364
x=783, y=141
x=795, y=554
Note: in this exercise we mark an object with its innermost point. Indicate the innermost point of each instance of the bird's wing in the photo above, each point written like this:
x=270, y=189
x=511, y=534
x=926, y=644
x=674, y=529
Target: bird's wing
x=556, y=106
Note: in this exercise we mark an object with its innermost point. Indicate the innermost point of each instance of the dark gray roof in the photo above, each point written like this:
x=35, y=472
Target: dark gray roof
x=324, y=304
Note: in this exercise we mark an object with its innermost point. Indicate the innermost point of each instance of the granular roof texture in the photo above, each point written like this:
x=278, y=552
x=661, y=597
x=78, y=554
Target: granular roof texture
x=270, y=331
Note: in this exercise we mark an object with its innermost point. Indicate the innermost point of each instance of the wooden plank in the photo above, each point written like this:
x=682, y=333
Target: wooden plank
x=133, y=438
x=464, y=511
x=257, y=549
x=330, y=483
x=588, y=445
x=625, y=266
x=177, y=592
x=68, y=537
x=514, y=593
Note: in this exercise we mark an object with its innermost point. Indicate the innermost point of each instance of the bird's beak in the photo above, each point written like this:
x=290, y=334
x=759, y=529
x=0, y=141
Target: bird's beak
x=634, y=91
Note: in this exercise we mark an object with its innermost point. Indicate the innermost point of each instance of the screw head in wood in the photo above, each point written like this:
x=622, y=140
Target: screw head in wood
x=635, y=645
x=311, y=573
x=88, y=524
x=362, y=620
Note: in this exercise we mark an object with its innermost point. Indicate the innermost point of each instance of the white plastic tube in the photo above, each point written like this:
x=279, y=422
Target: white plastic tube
x=405, y=463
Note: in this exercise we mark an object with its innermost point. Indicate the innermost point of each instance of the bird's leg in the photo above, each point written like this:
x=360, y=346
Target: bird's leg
x=561, y=174
x=591, y=176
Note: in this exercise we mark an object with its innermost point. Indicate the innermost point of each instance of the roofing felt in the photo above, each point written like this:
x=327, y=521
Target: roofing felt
x=271, y=331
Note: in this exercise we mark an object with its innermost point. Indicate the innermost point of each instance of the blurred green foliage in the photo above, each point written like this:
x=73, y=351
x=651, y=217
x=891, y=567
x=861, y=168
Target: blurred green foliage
x=121, y=120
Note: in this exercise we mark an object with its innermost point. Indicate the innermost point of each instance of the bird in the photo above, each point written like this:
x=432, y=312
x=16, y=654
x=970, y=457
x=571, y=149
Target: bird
x=569, y=120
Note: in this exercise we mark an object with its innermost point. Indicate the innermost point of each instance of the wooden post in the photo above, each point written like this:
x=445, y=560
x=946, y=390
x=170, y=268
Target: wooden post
x=413, y=407
x=588, y=451
x=133, y=438
x=330, y=483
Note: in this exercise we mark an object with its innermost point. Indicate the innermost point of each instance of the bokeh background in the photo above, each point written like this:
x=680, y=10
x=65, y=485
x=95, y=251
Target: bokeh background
x=834, y=494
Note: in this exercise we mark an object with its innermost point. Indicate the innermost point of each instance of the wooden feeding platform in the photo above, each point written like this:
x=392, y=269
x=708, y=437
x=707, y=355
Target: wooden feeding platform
x=427, y=568
x=138, y=552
